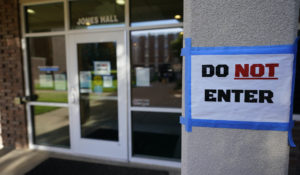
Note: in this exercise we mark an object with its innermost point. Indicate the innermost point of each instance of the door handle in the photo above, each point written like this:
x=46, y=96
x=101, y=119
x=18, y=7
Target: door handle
x=73, y=95
x=25, y=99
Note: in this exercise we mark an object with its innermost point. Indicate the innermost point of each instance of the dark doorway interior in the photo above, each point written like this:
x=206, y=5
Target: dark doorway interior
x=69, y=167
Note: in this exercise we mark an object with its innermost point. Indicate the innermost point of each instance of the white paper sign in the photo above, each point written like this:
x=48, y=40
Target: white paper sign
x=60, y=82
x=46, y=81
x=107, y=81
x=142, y=77
x=85, y=81
x=141, y=102
x=102, y=68
x=255, y=88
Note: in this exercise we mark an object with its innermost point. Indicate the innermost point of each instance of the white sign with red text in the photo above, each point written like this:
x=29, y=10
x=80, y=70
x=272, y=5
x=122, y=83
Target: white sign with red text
x=254, y=88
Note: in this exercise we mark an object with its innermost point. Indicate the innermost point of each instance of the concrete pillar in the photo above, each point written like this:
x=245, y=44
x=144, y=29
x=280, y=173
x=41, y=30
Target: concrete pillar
x=212, y=151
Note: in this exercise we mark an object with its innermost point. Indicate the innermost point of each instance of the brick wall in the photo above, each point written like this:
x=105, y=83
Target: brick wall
x=13, y=117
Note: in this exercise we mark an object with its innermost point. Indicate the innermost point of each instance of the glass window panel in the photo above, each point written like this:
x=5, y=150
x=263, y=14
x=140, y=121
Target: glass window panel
x=96, y=13
x=51, y=126
x=156, y=67
x=297, y=82
x=294, y=163
x=97, y=66
x=155, y=12
x=294, y=158
x=156, y=134
x=44, y=18
x=48, y=72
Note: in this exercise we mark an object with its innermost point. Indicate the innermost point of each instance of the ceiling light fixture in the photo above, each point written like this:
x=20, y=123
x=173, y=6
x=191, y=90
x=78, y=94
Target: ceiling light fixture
x=177, y=16
x=120, y=2
x=30, y=11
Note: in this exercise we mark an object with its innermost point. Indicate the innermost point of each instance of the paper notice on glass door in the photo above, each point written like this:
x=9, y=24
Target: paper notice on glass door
x=107, y=81
x=97, y=84
x=46, y=81
x=85, y=81
x=60, y=82
x=102, y=68
x=142, y=76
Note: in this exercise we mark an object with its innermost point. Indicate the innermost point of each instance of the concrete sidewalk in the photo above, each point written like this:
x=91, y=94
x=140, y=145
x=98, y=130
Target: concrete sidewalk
x=18, y=162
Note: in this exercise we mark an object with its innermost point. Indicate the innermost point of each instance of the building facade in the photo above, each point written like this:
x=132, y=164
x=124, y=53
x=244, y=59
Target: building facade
x=97, y=78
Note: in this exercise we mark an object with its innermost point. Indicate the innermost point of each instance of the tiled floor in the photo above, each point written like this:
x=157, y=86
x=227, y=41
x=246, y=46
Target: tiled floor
x=18, y=162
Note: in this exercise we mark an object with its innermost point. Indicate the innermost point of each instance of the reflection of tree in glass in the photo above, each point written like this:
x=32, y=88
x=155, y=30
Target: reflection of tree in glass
x=176, y=46
x=43, y=109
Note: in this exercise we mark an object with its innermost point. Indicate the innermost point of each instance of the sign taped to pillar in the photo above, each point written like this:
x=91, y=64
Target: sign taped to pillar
x=248, y=87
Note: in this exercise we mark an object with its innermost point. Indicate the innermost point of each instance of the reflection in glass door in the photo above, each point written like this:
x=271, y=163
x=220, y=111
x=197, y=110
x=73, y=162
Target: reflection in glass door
x=97, y=72
x=98, y=94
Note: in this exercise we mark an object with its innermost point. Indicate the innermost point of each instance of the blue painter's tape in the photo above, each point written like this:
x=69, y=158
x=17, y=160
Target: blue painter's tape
x=187, y=53
x=182, y=52
x=238, y=124
x=249, y=50
x=290, y=134
x=241, y=125
x=182, y=120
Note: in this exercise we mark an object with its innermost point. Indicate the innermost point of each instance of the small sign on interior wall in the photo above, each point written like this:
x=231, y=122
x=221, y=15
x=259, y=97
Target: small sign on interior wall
x=46, y=81
x=141, y=102
x=239, y=87
x=142, y=76
x=60, y=82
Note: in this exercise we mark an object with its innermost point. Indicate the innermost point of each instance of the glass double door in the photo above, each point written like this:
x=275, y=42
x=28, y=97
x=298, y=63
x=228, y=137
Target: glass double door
x=97, y=94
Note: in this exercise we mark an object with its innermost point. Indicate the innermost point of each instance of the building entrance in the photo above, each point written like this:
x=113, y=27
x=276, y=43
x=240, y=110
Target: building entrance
x=103, y=78
x=97, y=94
